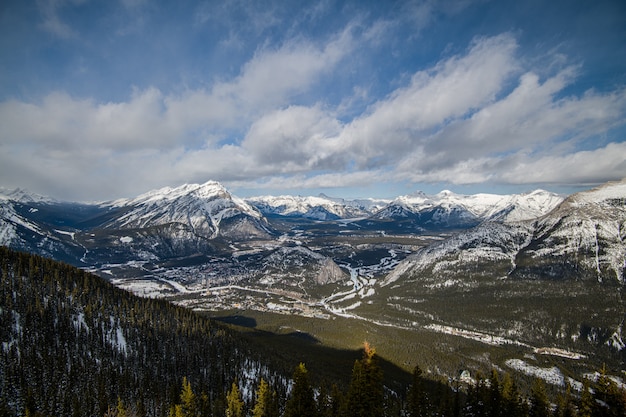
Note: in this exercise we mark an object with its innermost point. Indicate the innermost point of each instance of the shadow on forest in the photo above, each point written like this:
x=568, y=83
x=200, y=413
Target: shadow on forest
x=326, y=365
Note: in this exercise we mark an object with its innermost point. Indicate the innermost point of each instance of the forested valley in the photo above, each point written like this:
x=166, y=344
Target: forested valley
x=72, y=344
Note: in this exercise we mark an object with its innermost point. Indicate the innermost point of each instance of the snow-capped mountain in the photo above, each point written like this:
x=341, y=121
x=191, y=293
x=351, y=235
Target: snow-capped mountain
x=316, y=208
x=447, y=209
x=557, y=280
x=207, y=210
x=587, y=232
x=19, y=195
x=21, y=226
x=585, y=235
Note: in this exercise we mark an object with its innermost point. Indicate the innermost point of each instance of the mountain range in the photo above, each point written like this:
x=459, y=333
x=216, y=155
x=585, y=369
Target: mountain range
x=200, y=218
x=534, y=271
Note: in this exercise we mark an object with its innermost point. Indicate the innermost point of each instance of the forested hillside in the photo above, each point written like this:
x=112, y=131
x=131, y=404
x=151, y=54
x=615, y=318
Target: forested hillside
x=74, y=345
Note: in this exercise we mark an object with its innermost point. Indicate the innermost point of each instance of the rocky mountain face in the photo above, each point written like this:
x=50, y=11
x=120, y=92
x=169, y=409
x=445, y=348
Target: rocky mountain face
x=450, y=210
x=161, y=224
x=581, y=237
x=316, y=208
x=206, y=210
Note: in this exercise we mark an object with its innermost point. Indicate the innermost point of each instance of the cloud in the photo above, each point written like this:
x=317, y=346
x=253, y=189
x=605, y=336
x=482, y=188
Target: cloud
x=584, y=167
x=52, y=22
x=482, y=115
x=452, y=89
x=294, y=139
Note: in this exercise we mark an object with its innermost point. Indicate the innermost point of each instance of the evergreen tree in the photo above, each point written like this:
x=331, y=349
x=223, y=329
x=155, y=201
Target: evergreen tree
x=512, y=403
x=266, y=403
x=234, y=403
x=417, y=406
x=301, y=402
x=539, y=404
x=366, y=393
x=336, y=401
x=121, y=410
x=494, y=399
x=475, y=405
x=188, y=399
x=610, y=400
x=586, y=402
x=564, y=404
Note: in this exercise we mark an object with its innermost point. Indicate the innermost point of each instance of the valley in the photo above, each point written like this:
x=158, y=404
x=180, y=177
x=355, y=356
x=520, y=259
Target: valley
x=529, y=283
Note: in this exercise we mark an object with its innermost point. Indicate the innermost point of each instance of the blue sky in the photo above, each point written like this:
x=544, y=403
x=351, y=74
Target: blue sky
x=106, y=99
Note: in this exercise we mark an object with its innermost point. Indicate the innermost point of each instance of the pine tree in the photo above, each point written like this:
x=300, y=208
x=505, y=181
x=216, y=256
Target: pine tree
x=234, y=403
x=417, y=404
x=475, y=405
x=494, y=399
x=188, y=399
x=266, y=404
x=301, y=402
x=610, y=400
x=336, y=401
x=586, y=402
x=366, y=393
x=512, y=404
x=121, y=410
x=539, y=404
x=564, y=404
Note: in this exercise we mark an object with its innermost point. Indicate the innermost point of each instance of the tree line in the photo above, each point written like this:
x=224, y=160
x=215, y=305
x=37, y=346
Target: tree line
x=72, y=344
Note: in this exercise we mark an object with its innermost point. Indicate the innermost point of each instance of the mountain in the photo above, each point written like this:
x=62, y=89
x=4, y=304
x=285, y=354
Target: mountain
x=23, y=196
x=581, y=237
x=315, y=208
x=206, y=210
x=166, y=223
x=27, y=224
x=556, y=280
x=450, y=210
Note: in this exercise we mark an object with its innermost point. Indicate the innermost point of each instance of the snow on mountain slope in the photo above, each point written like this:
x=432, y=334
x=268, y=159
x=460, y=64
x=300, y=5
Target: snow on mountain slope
x=317, y=208
x=448, y=208
x=588, y=227
x=583, y=234
x=288, y=262
x=10, y=221
x=201, y=207
x=490, y=242
x=19, y=195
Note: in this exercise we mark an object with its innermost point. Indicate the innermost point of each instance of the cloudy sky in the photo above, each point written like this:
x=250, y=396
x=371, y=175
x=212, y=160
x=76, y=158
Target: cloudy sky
x=101, y=99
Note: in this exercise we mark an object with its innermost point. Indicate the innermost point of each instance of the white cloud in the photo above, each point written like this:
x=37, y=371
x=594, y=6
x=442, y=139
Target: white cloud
x=452, y=89
x=586, y=167
x=302, y=137
x=482, y=115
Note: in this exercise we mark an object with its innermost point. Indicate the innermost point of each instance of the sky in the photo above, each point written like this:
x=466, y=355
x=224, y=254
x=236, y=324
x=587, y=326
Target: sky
x=102, y=99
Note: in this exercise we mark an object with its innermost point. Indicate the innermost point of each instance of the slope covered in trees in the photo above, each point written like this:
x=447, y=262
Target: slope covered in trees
x=72, y=344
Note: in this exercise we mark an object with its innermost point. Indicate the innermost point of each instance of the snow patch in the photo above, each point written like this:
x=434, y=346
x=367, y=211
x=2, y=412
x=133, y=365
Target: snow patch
x=551, y=375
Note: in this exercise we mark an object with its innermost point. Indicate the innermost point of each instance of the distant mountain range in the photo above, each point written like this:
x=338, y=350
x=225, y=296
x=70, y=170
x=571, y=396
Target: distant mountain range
x=582, y=237
x=445, y=209
x=200, y=218
x=202, y=223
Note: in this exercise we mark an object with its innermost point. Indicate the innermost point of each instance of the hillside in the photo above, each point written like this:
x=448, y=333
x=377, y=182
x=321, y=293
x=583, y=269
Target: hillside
x=72, y=344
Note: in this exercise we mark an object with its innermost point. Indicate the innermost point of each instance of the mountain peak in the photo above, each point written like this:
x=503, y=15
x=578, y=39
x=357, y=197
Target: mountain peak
x=23, y=196
x=609, y=191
